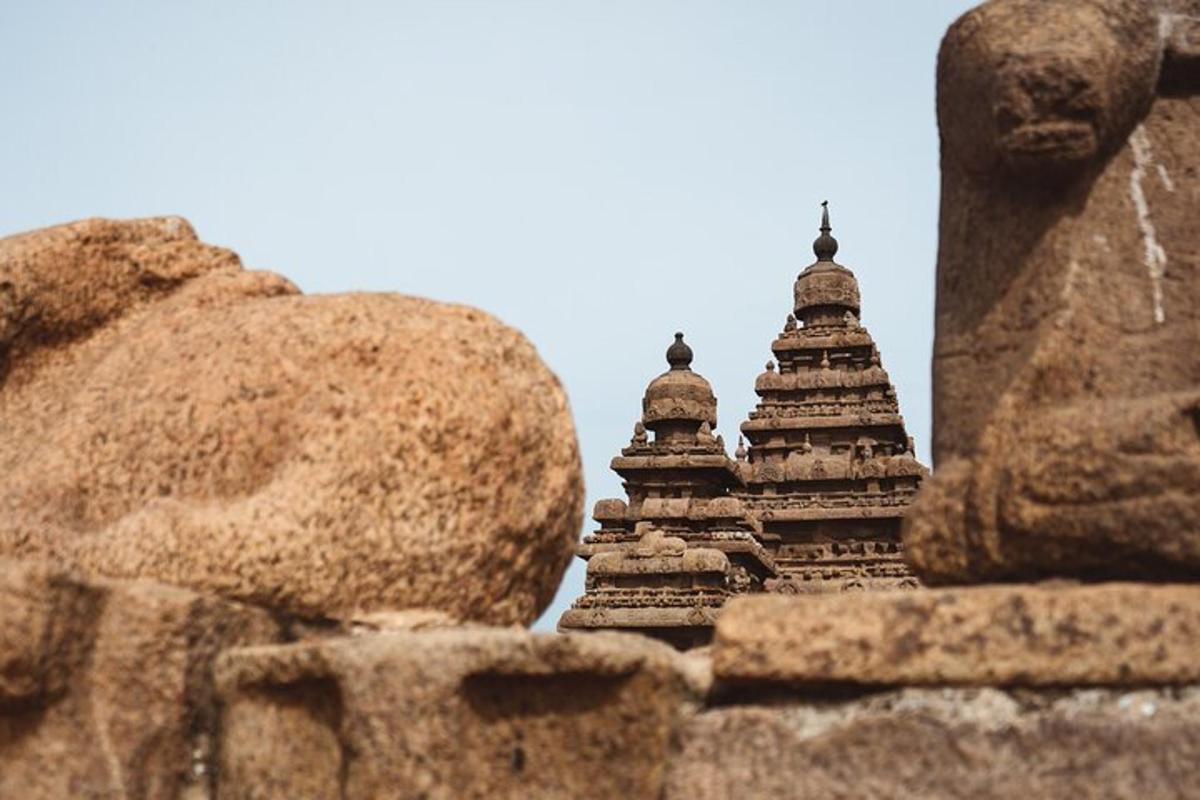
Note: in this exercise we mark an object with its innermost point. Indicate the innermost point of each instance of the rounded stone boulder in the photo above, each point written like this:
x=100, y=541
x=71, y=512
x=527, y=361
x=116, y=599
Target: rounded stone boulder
x=169, y=415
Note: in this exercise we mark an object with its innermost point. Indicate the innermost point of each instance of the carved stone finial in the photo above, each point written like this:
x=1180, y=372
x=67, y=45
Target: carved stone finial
x=679, y=355
x=704, y=435
x=790, y=325
x=740, y=453
x=825, y=246
x=639, y=434
x=770, y=366
x=824, y=359
x=654, y=542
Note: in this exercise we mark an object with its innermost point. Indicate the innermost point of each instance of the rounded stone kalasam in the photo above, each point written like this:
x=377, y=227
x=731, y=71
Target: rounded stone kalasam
x=826, y=284
x=679, y=395
x=168, y=415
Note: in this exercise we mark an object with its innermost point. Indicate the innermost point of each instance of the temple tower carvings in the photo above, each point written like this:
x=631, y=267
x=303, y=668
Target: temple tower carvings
x=814, y=504
x=830, y=469
x=679, y=481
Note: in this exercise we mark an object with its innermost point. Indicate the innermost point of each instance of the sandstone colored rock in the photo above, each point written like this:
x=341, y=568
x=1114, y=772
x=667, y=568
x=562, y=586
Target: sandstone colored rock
x=106, y=686
x=453, y=713
x=1048, y=635
x=947, y=743
x=1067, y=353
x=169, y=415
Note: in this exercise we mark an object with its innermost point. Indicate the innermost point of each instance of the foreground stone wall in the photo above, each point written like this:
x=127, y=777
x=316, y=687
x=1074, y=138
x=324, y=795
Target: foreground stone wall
x=106, y=687
x=131, y=689
x=453, y=713
x=947, y=743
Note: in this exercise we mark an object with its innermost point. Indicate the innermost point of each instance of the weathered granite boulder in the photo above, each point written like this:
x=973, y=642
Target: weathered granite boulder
x=1067, y=354
x=106, y=686
x=947, y=744
x=169, y=415
x=467, y=712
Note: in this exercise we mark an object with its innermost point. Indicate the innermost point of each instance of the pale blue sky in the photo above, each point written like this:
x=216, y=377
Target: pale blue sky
x=597, y=174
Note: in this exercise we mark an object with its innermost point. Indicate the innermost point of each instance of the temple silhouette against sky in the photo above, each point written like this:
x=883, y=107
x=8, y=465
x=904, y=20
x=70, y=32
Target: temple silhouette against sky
x=812, y=505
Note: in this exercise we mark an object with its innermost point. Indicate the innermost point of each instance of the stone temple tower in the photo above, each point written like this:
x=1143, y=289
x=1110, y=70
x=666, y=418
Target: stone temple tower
x=830, y=469
x=645, y=571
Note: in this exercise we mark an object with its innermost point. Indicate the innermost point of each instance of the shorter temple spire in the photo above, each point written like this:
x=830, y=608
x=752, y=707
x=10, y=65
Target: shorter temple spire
x=678, y=481
x=825, y=247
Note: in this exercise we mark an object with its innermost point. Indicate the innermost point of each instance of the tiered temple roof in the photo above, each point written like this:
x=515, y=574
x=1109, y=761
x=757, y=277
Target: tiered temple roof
x=659, y=587
x=678, y=479
x=813, y=505
x=830, y=469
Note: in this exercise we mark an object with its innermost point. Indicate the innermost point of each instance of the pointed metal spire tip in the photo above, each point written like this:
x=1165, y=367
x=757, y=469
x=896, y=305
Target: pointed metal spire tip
x=825, y=247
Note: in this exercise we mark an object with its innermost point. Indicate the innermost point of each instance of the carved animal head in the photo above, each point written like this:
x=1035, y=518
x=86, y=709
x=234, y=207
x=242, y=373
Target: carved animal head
x=1041, y=88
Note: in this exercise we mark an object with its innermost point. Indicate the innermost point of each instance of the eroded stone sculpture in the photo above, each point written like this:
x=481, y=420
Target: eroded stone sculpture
x=169, y=415
x=1067, y=360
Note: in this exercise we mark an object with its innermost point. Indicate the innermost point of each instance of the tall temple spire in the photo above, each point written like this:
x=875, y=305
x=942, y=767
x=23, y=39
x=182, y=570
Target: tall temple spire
x=825, y=247
x=829, y=471
x=826, y=290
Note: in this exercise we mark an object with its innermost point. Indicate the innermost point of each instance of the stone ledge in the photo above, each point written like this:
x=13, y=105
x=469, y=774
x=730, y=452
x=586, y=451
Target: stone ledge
x=631, y=618
x=948, y=743
x=466, y=712
x=1124, y=634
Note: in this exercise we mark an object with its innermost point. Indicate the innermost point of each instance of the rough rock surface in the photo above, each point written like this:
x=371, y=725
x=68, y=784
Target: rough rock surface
x=1051, y=635
x=106, y=686
x=1067, y=353
x=948, y=743
x=453, y=713
x=168, y=415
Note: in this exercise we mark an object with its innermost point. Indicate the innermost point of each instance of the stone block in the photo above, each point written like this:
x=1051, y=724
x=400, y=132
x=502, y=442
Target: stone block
x=106, y=686
x=1041, y=635
x=949, y=744
x=453, y=713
